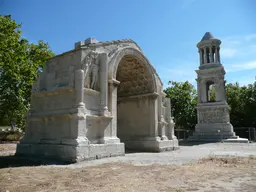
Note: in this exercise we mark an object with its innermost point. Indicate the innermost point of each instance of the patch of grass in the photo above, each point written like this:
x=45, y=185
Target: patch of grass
x=228, y=160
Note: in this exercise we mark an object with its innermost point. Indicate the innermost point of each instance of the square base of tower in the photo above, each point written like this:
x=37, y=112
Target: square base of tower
x=236, y=139
x=216, y=132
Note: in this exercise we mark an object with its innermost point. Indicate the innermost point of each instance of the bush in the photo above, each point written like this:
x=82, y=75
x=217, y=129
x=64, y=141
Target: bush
x=11, y=135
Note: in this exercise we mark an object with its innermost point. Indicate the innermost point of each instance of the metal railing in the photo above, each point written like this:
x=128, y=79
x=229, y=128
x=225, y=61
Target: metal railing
x=183, y=133
x=246, y=132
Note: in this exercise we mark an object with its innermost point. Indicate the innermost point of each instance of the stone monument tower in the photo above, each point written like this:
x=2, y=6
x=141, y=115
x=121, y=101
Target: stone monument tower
x=212, y=108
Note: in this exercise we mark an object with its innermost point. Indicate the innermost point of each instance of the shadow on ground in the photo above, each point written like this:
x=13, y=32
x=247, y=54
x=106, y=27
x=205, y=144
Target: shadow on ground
x=192, y=143
x=16, y=161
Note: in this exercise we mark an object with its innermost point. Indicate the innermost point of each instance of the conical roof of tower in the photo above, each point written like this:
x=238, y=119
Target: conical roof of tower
x=207, y=36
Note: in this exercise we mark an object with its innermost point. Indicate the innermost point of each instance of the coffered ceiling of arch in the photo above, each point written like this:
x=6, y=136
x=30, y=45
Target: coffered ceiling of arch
x=134, y=77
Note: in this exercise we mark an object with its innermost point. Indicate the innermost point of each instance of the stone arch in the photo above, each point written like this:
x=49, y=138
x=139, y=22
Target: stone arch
x=210, y=89
x=115, y=61
x=208, y=84
x=132, y=99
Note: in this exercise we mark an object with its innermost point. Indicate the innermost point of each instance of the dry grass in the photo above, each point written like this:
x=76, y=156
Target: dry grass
x=211, y=174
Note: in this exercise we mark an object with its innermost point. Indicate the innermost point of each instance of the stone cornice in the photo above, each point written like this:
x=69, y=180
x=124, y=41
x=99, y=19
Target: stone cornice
x=53, y=92
x=147, y=95
x=208, y=43
x=114, y=42
x=211, y=71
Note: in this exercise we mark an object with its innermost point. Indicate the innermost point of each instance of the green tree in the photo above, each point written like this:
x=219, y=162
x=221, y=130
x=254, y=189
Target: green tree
x=183, y=100
x=19, y=64
x=242, y=100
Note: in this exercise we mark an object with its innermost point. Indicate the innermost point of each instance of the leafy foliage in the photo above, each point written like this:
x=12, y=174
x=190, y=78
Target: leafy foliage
x=183, y=100
x=242, y=100
x=19, y=63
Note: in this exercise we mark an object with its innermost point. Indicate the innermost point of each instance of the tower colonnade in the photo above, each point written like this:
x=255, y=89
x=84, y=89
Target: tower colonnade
x=209, y=54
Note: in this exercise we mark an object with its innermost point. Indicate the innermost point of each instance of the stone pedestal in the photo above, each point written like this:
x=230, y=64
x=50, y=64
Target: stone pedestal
x=69, y=153
x=70, y=144
x=213, y=124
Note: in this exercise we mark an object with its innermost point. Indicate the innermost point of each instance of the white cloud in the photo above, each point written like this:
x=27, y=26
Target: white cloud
x=181, y=72
x=242, y=66
x=228, y=52
x=250, y=37
x=238, y=46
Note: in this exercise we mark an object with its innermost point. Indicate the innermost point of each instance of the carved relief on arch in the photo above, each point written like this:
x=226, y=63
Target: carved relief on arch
x=114, y=63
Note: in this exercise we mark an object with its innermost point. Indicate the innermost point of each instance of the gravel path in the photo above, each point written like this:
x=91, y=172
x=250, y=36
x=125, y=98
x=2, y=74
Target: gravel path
x=186, y=154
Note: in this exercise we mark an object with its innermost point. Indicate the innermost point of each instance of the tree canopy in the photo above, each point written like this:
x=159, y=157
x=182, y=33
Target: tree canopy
x=242, y=100
x=19, y=64
x=183, y=100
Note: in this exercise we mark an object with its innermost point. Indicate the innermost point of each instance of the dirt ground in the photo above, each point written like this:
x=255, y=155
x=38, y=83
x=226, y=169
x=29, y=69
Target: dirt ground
x=209, y=174
x=7, y=149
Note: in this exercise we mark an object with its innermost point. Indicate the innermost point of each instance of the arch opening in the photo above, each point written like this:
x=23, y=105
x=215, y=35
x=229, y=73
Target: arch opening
x=133, y=100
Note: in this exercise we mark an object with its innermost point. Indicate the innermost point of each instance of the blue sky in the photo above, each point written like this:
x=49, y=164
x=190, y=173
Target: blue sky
x=166, y=30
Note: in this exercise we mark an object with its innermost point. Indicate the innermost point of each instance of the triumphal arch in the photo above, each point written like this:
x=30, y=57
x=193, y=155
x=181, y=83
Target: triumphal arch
x=96, y=101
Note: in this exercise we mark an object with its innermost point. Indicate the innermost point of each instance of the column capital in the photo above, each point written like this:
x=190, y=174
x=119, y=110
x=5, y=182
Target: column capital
x=113, y=82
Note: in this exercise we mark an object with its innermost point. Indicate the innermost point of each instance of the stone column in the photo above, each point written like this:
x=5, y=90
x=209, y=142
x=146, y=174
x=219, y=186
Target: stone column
x=170, y=125
x=205, y=55
x=216, y=55
x=201, y=57
x=219, y=55
x=198, y=90
x=203, y=92
x=104, y=84
x=109, y=129
x=217, y=91
x=153, y=128
x=225, y=93
x=112, y=103
x=79, y=87
x=211, y=55
x=220, y=90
